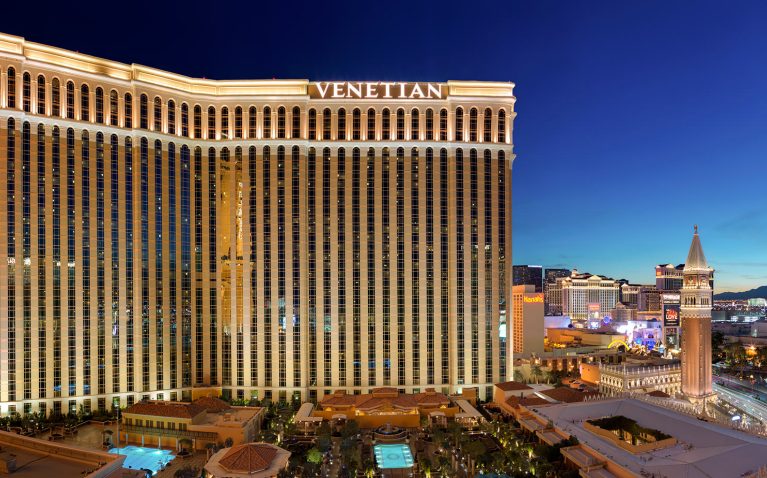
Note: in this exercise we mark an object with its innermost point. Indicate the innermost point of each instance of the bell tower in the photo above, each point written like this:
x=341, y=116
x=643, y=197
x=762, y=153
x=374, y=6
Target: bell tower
x=696, y=299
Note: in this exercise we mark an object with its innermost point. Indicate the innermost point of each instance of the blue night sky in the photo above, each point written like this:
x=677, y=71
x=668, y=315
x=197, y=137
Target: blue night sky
x=635, y=119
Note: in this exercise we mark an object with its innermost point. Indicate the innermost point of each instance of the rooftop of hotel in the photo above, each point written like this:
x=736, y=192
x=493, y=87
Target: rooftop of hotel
x=386, y=396
x=512, y=386
x=219, y=412
x=703, y=449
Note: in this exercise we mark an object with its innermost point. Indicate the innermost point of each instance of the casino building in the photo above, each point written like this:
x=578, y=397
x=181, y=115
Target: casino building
x=270, y=238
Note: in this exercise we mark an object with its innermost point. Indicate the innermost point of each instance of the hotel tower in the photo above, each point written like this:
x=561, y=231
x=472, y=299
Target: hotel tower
x=262, y=238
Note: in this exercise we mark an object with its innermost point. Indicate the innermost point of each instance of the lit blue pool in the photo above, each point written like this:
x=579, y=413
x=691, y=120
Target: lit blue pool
x=140, y=458
x=393, y=456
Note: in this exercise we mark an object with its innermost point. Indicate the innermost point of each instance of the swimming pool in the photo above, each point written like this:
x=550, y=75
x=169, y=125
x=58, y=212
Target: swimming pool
x=393, y=456
x=140, y=458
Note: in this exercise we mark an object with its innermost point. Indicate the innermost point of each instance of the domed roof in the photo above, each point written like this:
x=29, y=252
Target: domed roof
x=696, y=260
x=249, y=458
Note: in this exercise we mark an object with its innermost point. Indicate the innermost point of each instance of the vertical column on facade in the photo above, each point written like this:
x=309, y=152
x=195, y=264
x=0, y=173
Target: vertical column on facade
x=32, y=331
x=248, y=317
x=338, y=349
x=378, y=238
x=303, y=260
x=108, y=247
x=411, y=333
x=426, y=272
x=492, y=189
x=352, y=344
x=154, y=199
x=163, y=345
x=508, y=260
x=48, y=264
x=3, y=90
x=364, y=317
x=4, y=306
x=259, y=292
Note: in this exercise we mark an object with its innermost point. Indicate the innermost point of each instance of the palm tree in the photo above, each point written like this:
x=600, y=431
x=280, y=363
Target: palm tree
x=536, y=372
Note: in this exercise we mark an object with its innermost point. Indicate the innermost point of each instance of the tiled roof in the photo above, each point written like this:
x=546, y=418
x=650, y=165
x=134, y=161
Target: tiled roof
x=159, y=408
x=511, y=386
x=387, y=397
x=515, y=401
x=249, y=458
x=212, y=404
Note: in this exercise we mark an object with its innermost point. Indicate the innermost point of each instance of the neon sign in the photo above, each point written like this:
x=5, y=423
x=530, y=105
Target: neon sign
x=369, y=90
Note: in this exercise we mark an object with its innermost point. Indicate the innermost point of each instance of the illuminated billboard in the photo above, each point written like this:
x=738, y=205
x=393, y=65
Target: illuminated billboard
x=671, y=315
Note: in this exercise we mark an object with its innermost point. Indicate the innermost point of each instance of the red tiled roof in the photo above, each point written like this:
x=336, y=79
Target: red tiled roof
x=515, y=401
x=566, y=394
x=159, y=408
x=372, y=401
x=212, y=404
x=510, y=386
x=249, y=458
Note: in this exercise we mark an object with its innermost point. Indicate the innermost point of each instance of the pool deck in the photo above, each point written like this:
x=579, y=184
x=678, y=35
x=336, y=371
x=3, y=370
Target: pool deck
x=393, y=456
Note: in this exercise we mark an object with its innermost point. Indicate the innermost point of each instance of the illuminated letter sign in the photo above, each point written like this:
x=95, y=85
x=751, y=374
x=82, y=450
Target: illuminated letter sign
x=367, y=90
x=533, y=299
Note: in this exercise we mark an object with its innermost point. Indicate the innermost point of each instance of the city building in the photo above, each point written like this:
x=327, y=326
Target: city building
x=588, y=298
x=251, y=460
x=695, y=315
x=275, y=238
x=648, y=299
x=527, y=320
x=629, y=294
x=206, y=420
x=528, y=275
x=668, y=276
x=552, y=290
x=634, y=376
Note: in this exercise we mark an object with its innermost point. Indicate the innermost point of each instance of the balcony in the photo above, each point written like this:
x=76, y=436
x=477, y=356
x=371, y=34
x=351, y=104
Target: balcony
x=169, y=432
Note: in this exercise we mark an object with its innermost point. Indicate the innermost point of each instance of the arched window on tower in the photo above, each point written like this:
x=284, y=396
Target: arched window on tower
x=487, y=129
x=26, y=92
x=225, y=123
x=386, y=124
x=429, y=124
x=267, y=122
x=281, y=122
x=400, y=124
x=171, y=117
x=341, y=124
x=473, y=124
x=184, y=120
x=70, y=100
x=157, y=114
x=238, y=122
x=99, y=105
x=296, y=118
x=211, y=122
x=56, y=97
x=415, y=124
x=326, y=123
x=252, y=122
x=128, y=106
x=143, y=112
x=11, y=93
x=197, y=122
x=85, y=104
x=371, y=130
x=113, y=108
x=459, y=124
x=502, y=126
x=312, y=124
x=40, y=94
x=443, y=125
x=356, y=124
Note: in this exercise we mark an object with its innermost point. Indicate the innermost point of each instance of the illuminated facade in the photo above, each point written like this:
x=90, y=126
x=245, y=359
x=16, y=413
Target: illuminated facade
x=270, y=238
x=695, y=313
x=587, y=296
x=527, y=320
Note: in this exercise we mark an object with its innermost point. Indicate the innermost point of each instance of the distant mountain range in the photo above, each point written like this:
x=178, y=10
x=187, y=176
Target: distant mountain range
x=759, y=292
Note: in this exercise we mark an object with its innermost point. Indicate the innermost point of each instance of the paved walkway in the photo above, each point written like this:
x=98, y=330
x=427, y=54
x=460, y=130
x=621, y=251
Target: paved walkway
x=198, y=460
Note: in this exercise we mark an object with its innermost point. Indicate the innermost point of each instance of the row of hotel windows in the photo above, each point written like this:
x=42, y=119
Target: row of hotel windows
x=428, y=126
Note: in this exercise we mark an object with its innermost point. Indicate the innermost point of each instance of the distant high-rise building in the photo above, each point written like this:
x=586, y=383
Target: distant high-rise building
x=648, y=299
x=528, y=275
x=552, y=291
x=696, y=301
x=528, y=320
x=668, y=276
x=587, y=296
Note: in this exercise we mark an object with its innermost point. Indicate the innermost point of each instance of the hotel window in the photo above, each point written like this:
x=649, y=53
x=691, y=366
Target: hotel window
x=443, y=125
x=473, y=124
x=386, y=124
x=312, y=135
x=26, y=92
x=113, y=107
x=99, y=105
x=157, y=114
x=40, y=95
x=281, y=122
x=267, y=123
x=11, y=88
x=238, y=122
x=459, y=124
x=341, y=133
x=171, y=117
x=371, y=133
x=128, y=110
x=502, y=126
x=211, y=122
x=400, y=124
x=415, y=125
x=224, y=123
x=356, y=124
x=143, y=111
x=56, y=97
x=184, y=120
x=296, y=118
x=487, y=129
x=197, y=122
x=84, y=103
x=429, y=124
x=326, y=123
x=252, y=125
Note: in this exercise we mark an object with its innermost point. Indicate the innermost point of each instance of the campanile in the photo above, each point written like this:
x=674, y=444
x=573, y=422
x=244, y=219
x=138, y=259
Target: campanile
x=696, y=299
